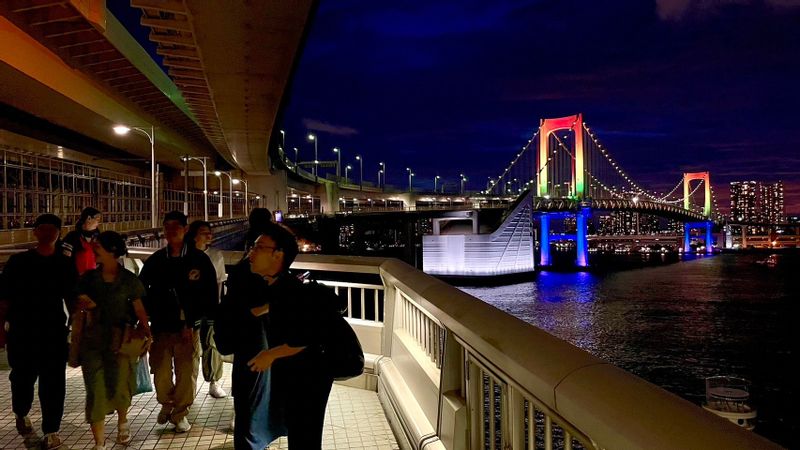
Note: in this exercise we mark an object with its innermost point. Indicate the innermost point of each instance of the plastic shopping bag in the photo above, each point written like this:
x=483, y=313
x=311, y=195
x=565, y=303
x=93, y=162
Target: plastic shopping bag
x=142, y=373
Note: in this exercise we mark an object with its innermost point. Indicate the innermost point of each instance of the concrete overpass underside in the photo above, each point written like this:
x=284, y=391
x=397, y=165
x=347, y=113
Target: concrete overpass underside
x=72, y=64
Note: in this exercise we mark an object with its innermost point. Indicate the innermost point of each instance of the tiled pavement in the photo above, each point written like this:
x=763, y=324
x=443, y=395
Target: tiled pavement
x=354, y=420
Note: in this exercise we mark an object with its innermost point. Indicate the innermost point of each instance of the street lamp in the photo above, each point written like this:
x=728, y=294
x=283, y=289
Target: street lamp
x=408, y=169
x=463, y=179
x=380, y=174
x=361, y=172
x=295, y=159
x=312, y=137
x=338, y=164
x=230, y=186
x=123, y=130
x=202, y=160
x=246, y=197
x=347, y=169
x=435, y=182
x=383, y=171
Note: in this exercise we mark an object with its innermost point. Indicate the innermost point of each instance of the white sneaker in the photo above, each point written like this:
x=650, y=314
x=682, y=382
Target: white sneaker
x=183, y=425
x=215, y=391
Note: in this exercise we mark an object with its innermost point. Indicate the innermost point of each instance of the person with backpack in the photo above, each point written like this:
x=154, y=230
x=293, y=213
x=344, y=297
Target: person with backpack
x=300, y=323
x=79, y=243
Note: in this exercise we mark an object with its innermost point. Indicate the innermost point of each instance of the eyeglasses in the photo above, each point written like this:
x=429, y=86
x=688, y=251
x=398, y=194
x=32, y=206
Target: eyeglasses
x=257, y=247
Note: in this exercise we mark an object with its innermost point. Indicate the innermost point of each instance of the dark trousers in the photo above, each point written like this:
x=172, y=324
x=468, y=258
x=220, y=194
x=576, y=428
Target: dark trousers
x=302, y=392
x=47, y=362
x=211, y=360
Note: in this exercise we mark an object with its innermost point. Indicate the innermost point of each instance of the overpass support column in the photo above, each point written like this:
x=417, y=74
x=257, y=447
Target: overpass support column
x=709, y=238
x=582, y=259
x=544, y=240
x=687, y=238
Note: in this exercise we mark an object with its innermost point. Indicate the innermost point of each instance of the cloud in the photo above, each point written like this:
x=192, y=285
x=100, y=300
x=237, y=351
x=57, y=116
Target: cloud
x=325, y=127
x=675, y=10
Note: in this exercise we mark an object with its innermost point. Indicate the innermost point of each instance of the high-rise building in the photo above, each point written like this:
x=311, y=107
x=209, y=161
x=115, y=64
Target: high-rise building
x=755, y=201
x=772, y=206
x=744, y=201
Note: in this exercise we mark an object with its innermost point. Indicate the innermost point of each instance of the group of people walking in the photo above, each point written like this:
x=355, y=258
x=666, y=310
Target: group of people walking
x=265, y=320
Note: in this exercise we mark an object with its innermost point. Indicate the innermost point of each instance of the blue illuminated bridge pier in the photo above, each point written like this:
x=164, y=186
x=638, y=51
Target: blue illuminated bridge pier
x=88, y=118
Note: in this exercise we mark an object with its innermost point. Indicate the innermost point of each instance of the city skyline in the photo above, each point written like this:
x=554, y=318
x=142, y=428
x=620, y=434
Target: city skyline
x=458, y=87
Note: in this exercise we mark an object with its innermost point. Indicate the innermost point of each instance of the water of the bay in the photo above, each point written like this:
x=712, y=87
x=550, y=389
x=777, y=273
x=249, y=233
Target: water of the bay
x=674, y=325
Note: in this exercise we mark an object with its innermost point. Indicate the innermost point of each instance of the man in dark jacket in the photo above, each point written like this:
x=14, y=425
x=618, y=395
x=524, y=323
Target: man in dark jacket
x=36, y=285
x=298, y=325
x=181, y=291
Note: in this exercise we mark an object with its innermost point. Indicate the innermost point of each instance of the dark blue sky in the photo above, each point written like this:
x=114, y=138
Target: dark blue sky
x=669, y=86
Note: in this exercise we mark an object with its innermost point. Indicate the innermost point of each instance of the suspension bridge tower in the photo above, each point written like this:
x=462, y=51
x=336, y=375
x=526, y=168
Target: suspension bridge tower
x=577, y=190
x=708, y=224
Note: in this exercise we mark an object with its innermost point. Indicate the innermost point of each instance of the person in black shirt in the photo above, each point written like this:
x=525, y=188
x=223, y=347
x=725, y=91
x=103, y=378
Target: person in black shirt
x=240, y=333
x=36, y=285
x=298, y=327
x=181, y=289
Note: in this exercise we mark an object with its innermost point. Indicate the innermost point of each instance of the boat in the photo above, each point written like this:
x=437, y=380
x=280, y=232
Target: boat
x=769, y=261
x=729, y=398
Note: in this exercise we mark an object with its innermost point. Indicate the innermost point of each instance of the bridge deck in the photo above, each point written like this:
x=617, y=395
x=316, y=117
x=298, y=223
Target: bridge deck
x=354, y=420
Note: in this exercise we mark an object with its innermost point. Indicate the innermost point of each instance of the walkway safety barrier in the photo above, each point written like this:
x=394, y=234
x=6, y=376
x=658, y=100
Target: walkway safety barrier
x=453, y=372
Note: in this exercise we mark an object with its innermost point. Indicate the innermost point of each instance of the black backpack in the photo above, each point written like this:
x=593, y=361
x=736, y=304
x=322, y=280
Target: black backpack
x=341, y=352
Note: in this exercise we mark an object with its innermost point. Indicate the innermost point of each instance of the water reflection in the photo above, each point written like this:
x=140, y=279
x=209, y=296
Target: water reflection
x=676, y=324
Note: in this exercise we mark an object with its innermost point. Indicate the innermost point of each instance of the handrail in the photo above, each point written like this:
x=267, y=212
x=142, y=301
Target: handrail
x=456, y=372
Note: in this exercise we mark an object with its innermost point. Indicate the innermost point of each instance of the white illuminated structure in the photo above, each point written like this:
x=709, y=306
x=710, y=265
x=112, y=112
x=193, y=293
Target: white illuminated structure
x=508, y=250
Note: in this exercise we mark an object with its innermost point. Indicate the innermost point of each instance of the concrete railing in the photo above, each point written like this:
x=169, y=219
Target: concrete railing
x=453, y=372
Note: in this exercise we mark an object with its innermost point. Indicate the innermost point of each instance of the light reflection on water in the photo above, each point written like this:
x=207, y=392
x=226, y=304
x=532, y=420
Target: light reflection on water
x=677, y=324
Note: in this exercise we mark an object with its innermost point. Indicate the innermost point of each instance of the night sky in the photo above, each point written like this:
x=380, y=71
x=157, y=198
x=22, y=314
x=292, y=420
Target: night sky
x=669, y=86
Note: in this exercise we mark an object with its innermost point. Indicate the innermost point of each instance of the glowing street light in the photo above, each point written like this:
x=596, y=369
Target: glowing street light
x=435, y=182
x=246, y=197
x=383, y=171
x=347, y=169
x=361, y=172
x=202, y=160
x=410, y=187
x=123, y=130
x=338, y=163
x=230, y=186
x=312, y=137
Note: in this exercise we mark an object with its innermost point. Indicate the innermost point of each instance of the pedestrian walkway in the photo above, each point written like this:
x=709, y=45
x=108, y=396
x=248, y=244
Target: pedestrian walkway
x=354, y=420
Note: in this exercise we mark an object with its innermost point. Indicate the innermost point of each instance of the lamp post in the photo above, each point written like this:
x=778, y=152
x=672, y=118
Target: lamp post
x=313, y=138
x=380, y=174
x=361, y=172
x=463, y=179
x=435, y=182
x=202, y=160
x=230, y=185
x=122, y=130
x=383, y=171
x=408, y=169
x=246, y=197
x=295, y=159
x=338, y=164
x=346, y=169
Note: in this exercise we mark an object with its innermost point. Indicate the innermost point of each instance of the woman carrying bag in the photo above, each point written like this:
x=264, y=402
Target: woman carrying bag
x=111, y=296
